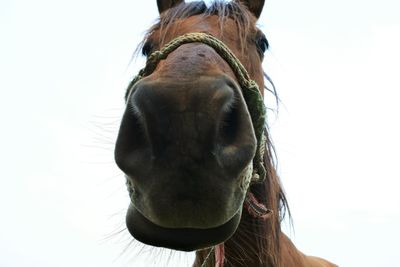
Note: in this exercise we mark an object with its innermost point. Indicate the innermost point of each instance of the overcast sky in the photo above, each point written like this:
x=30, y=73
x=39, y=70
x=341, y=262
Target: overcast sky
x=64, y=69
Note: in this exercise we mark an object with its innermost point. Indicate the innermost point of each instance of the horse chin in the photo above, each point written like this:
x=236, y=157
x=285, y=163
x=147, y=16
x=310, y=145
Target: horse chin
x=184, y=239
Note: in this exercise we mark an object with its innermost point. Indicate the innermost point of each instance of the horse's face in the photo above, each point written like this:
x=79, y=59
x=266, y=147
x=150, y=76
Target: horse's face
x=186, y=138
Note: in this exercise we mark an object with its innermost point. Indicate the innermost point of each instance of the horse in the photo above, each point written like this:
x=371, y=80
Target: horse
x=194, y=145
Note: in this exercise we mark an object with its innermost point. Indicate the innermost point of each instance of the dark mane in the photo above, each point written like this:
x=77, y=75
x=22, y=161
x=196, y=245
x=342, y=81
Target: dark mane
x=270, y=192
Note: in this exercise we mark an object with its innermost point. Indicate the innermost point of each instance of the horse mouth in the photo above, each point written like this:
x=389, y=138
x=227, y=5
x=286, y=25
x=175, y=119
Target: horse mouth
x=184, y=239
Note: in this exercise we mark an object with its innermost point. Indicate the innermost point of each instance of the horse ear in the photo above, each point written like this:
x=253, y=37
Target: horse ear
x=255, y=6
x=167, y=4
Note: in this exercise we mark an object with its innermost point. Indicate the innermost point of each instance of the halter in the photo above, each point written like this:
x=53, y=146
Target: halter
x=255, y=172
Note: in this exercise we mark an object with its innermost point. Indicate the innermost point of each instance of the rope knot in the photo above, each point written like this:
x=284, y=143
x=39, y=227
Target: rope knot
x=252, y=85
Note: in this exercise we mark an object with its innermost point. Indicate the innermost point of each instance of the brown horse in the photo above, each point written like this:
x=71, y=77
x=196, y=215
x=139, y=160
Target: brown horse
x=187, y=137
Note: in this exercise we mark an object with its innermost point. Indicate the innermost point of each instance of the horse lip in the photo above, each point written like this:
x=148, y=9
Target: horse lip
x=147, y=203
x=184, y=239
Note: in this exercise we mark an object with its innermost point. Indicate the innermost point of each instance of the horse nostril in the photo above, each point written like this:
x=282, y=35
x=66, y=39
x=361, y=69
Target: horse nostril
x=236, y=142
x=229, y=125
x=131, y=147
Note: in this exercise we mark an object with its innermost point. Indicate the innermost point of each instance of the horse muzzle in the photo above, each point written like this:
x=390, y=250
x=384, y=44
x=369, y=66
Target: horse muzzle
x=184, y=147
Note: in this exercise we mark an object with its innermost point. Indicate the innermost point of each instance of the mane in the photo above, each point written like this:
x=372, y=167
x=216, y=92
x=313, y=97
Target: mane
x=235, y=10
x=270, y=192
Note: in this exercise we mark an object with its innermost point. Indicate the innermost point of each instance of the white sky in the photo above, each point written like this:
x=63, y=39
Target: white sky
x=63, y=67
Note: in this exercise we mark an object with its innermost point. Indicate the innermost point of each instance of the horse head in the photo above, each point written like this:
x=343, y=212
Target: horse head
x=186, y=139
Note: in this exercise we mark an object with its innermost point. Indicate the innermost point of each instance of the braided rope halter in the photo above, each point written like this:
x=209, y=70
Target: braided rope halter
x=255, y=172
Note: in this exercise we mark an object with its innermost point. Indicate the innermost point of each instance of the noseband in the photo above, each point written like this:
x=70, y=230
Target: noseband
x=255, y=172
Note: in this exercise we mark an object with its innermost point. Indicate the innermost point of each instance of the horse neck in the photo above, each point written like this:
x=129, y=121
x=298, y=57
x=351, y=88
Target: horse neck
x=244, y=252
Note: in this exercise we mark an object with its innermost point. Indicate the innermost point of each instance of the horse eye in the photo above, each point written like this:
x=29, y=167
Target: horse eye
x=262, y=44
x=147, y=48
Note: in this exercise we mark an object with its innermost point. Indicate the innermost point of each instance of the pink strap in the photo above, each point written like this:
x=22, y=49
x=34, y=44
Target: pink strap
x=255, y=208
x=219, y=251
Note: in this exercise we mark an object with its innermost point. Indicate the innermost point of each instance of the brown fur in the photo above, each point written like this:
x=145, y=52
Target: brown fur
x=255, y=243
